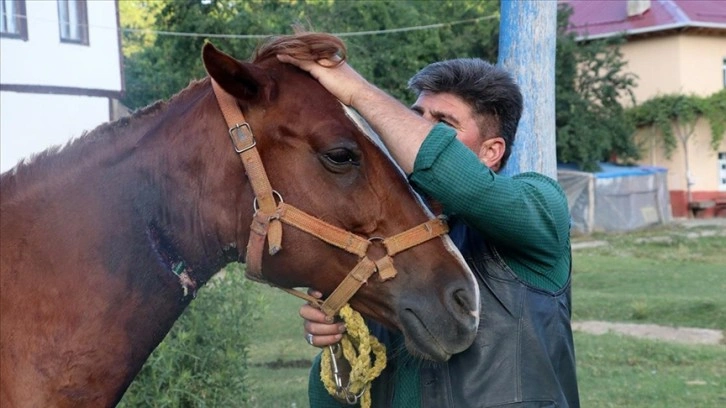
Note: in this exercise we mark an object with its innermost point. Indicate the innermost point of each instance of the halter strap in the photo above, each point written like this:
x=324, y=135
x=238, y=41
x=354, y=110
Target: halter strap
x=270, y=213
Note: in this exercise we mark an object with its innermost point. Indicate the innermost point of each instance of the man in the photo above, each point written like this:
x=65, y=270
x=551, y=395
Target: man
x=512, y=231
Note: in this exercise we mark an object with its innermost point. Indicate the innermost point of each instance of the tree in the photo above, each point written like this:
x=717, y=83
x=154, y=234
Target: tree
x=590, y=82
x=137, y=17
x=672, y=119
x=156, y=66
x=159, y=70
x=590, y=77
x=389, y=60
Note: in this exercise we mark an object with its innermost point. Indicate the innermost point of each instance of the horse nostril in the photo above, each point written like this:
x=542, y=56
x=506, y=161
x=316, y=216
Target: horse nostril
x=463, y=306
x=463, y=301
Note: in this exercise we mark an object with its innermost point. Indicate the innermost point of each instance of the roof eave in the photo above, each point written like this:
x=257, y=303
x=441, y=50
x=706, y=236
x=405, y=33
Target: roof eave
x=646, y=30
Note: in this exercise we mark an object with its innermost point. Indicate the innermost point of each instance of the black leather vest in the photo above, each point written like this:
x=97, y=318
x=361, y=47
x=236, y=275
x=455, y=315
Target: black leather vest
x=524, y=355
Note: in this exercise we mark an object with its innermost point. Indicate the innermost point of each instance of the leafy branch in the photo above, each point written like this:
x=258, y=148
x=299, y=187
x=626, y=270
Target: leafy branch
x=673, y=117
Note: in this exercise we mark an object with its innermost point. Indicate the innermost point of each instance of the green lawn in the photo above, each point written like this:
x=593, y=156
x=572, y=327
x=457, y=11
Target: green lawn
x=680, y=281
x=279, y=358
x=616, y=371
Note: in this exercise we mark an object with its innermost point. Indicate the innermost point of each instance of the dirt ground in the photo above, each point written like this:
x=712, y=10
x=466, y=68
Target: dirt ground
x=683, y=335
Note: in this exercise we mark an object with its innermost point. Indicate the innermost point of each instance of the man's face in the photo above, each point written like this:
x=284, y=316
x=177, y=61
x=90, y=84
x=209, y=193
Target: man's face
x=453, y=111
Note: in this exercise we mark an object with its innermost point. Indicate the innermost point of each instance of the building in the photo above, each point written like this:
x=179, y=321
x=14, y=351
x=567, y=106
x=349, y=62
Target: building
x=60, y=72
x=673, y=46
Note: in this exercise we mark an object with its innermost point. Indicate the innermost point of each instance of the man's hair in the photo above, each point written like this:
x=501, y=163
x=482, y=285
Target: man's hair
x=490, y=90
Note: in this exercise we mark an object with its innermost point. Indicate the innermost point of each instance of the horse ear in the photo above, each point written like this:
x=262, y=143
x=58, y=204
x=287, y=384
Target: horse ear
x=242, y=80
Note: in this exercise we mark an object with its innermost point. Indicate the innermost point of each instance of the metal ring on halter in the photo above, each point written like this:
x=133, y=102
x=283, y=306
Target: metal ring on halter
x=274, y=193
x=381, y=240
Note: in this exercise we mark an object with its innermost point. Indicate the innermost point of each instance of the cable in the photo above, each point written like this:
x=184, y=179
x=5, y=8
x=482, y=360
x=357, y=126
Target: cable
x=252, y=36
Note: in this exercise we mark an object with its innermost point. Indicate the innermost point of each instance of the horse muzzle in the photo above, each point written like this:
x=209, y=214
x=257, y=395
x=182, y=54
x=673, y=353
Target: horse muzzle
x=438, y=328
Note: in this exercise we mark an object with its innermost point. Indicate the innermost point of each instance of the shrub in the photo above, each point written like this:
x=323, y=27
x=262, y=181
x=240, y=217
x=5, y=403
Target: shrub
x=202, y=362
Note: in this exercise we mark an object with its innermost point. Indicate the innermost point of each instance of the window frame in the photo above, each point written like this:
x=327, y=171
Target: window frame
x=21, y=20
x=81, y=23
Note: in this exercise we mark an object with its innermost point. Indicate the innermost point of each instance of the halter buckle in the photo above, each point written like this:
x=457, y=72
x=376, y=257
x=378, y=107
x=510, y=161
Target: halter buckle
x=242, y=137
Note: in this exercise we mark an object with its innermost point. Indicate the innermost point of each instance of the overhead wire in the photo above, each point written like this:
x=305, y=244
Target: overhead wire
x=257, y=36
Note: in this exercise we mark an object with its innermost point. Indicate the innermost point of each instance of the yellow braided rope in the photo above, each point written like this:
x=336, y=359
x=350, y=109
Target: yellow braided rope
x=358, y=345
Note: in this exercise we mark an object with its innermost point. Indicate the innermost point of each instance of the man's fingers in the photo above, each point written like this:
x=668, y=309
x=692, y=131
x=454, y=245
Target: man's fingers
x=314, y=293
x=329, y=63
x=323, y=329
x=311, y=313
x=302, y=64
x=308, y=64
x=322, y=341
x=287, y=59
x=336, y=76
x=318, y=331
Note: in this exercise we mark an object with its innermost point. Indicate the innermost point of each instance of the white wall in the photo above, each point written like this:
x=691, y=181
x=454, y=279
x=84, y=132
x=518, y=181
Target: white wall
x=44, y=60
x=33, y=122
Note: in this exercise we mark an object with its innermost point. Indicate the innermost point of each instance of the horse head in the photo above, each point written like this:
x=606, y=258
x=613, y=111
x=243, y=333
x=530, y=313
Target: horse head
x=321, y=160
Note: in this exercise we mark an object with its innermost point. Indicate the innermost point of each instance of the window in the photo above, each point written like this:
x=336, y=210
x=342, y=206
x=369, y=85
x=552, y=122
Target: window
x=722, y=171
x=73, y=21
x=13, y=21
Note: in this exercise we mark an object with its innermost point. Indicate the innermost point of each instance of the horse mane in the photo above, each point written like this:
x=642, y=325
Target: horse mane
x=304, y=46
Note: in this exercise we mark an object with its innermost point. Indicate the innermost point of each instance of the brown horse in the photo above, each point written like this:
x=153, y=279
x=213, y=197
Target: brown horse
x=105, y=241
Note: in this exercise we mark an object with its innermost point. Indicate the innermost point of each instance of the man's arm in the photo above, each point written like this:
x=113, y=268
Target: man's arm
x=402, y=130
x=525, y=216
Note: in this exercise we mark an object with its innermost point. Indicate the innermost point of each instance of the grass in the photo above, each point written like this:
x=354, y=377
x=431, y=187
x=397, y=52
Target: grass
x=678, y=281
x=617, y=371
x=279, y=358
x=665, y=276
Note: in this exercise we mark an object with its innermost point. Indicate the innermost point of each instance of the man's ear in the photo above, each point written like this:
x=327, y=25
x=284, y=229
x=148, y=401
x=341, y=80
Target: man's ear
x=491, y=152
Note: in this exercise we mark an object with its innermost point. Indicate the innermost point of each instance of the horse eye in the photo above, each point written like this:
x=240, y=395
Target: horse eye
x=342, y=156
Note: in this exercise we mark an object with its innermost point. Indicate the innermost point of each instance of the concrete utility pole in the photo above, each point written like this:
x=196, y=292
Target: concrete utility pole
x=527, y=38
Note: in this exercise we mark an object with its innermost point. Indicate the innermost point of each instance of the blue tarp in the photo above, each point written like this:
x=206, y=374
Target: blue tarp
x=609, y=170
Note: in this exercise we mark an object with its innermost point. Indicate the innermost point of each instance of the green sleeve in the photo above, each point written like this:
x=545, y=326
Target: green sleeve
x=526, y=216
x=317, y=394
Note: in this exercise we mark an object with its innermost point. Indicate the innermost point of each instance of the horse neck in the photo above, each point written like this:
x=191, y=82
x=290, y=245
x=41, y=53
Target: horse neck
x=189, y=182
x=121, y=206
x=170, y=164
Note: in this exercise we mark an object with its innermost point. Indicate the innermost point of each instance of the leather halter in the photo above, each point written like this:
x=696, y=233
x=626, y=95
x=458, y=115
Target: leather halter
x=271, y=213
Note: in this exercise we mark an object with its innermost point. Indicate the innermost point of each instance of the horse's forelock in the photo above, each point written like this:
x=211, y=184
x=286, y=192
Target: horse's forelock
x=304, y=46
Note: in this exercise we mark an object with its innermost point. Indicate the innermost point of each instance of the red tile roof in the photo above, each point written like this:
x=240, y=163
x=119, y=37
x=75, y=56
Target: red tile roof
x=604, y=18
